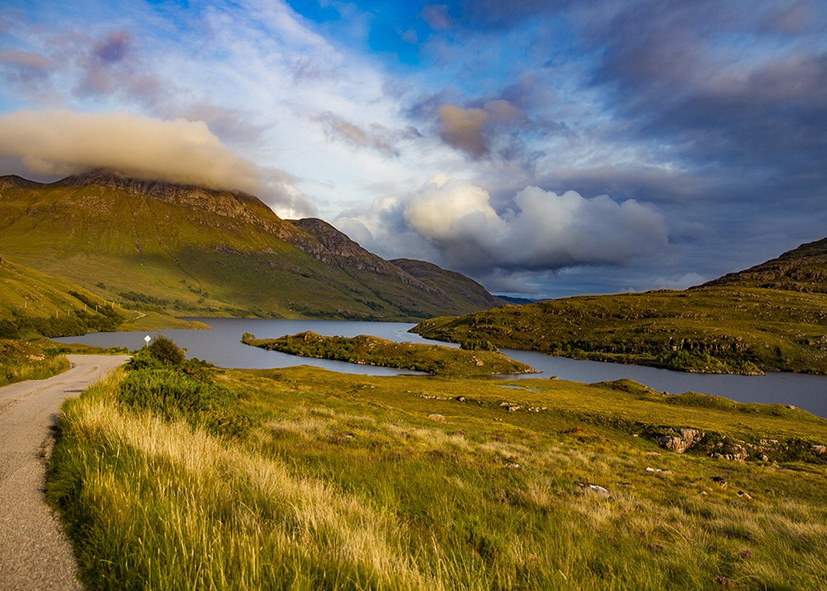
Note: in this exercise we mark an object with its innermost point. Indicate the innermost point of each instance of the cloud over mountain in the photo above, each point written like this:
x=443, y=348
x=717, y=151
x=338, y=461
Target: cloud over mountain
x=60, y=142
x=543, y=230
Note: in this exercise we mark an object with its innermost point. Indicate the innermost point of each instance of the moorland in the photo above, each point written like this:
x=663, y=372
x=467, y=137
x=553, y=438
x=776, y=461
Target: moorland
x=175, y=475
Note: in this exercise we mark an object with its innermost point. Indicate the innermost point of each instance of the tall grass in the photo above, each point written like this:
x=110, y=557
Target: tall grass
x=347, y=482
x=20, y=361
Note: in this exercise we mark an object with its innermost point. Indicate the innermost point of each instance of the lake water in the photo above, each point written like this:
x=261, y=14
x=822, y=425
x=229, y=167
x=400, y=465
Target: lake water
x=222, y=347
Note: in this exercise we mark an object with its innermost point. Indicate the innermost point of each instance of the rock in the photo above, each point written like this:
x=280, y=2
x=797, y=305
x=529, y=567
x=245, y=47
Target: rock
x=461, y=398
x=680, y=444
x=819, y=450
x=739, y=453
x=436, y=417
x=744, y=494
x=594, y=488
x=720, y=481
x=553, y=378
x=513, y=408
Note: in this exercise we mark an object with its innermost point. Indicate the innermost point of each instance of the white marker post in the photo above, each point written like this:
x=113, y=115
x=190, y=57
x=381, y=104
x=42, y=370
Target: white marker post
x=147, y=338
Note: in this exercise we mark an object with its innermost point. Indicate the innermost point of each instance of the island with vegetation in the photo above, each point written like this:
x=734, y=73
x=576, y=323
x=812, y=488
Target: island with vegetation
x=172, y=474
x=474, y=359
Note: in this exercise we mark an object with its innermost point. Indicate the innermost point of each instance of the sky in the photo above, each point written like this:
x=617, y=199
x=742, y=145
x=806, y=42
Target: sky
x=545, y=148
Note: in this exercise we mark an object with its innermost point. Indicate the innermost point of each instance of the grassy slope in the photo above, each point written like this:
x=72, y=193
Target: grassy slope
x=36, y=304
x=353, y=482
x=194, y=252
x=21, y=361
x=370, y=350
x=710, y=329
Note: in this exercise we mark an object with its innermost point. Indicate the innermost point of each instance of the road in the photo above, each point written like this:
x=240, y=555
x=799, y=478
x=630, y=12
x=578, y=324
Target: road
x=34, y=553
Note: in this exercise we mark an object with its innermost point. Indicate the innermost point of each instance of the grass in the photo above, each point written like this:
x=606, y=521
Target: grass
x=302, y=478
x=34, y=304
x=21, y=361
x=711, y=330
x=370, y=350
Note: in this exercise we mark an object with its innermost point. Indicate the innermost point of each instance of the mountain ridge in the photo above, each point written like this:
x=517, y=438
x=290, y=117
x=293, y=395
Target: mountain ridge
x=803, y=268
x=190, y=250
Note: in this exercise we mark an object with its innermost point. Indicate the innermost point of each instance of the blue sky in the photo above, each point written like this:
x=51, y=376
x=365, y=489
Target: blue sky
x=545, y=148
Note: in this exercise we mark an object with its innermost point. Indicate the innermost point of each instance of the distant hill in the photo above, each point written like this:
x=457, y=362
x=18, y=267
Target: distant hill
x=513, y=300
x=802, y=269
x=770, y=317
x=188, y=250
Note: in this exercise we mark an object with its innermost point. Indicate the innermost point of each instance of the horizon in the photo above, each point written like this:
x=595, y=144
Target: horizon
x=543, y=149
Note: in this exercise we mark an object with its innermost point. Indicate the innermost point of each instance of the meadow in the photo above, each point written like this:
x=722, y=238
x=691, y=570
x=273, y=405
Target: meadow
x=175, y=475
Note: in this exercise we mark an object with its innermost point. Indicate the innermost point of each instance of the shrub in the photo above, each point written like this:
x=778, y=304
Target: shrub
x=176, y=395
x=478, y=345
x=165, y=351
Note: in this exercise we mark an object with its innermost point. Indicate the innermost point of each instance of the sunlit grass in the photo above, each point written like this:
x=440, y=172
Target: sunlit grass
x=20, y=361
x=354, y=482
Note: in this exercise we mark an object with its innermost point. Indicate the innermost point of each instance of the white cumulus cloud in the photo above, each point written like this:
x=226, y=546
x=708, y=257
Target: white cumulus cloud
x=455, y=220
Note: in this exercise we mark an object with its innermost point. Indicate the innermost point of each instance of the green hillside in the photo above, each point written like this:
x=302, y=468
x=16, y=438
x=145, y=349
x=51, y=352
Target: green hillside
x=801, y=269
x=35, y=304
x=730, y=329
x=185, y=250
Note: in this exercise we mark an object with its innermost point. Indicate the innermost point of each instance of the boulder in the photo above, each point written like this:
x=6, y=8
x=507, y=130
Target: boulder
x=680, y=444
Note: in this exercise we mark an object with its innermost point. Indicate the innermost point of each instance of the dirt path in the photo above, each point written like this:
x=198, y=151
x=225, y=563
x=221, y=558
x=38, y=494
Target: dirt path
x=34, y=554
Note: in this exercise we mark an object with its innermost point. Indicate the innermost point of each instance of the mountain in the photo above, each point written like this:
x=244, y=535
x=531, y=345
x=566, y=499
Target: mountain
x=189, y=250
x=801, y=269
x=772, y=317
x=453, y=285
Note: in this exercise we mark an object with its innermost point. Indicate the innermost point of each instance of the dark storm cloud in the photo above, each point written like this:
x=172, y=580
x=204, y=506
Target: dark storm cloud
x=638, y=182
x=757, y=104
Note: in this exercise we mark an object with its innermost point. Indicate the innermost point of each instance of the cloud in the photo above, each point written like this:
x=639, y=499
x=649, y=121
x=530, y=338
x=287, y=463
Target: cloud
x=29, y=61
x=454, y=220
x=470, y=129
x=375, y=136
x=463, y=129
x=437, y=17
x=61, y=142
x=114, y=48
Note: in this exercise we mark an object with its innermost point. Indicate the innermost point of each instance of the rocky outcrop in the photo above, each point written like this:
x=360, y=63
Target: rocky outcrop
x=801, y=269
x=334, y=247
x=680, y=443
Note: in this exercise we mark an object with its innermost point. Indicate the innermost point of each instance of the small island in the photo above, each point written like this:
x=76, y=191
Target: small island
x=471, y=361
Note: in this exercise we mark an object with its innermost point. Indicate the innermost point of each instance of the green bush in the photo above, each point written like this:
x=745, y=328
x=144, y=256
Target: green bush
x=478, y=345
x=165, y=351
x=175, y=395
